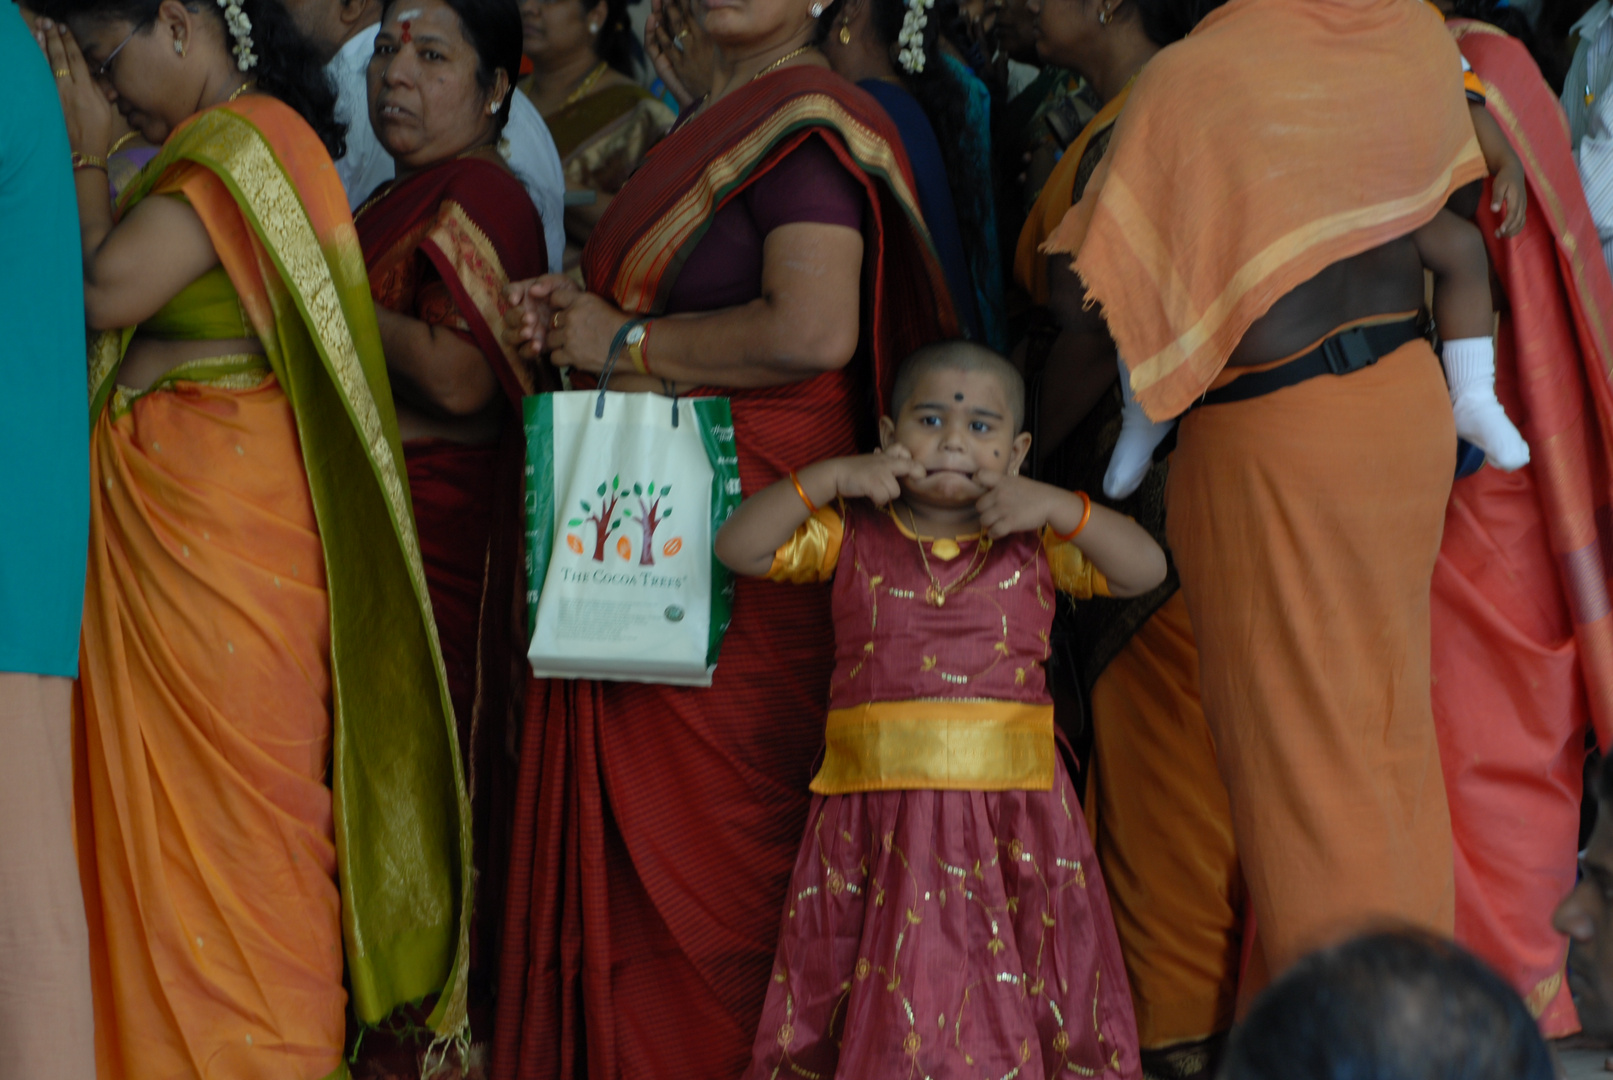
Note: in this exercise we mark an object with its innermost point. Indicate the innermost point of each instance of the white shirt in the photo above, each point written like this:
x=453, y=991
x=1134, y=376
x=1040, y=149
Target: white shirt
x=527, y=145
x=1588, y=101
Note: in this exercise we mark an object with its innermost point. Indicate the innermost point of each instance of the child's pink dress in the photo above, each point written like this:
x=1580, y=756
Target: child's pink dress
x=946, y=916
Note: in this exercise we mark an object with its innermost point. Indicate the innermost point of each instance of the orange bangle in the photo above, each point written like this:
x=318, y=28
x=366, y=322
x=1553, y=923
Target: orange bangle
x=801, y=491
x=1086, y=516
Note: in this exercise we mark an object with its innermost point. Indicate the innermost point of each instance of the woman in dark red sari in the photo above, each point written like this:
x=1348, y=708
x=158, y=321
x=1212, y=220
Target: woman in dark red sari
x=773, y=243
x=441, y=243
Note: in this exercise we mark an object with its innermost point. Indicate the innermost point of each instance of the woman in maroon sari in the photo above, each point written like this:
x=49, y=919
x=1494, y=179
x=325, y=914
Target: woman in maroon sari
x=441, y=243
x=774, y=245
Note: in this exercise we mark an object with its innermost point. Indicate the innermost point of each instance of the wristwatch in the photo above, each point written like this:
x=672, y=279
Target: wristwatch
x=635, y=341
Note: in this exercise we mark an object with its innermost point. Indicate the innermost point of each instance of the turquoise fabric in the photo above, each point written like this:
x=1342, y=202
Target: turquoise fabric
x=44, y=432
x=989, y=292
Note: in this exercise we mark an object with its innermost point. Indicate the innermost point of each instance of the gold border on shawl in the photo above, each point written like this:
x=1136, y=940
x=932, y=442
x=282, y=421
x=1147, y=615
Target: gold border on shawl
x=481, y=273
x=641, y=270
x=1594, y=317
x=1150, y=249
x=263, y=186
x=940, y=744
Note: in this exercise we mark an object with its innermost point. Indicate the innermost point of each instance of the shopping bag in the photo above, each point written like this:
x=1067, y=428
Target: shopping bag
x=625, y=493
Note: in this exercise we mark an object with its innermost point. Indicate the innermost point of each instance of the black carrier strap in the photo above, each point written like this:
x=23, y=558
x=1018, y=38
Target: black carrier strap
x=1344, y=352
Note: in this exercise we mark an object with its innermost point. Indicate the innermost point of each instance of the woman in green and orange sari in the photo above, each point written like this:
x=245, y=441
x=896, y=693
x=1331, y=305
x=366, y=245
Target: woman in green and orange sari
x=266, y=774
x=774, y=244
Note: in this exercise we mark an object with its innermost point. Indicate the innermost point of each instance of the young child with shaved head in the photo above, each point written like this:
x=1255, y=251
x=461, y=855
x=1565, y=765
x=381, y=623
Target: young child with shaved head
x=946, y=916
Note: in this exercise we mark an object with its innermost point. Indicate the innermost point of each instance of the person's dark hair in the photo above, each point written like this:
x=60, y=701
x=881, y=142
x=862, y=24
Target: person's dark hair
x=617, y=45
x=288, y=66
x=493, y=28
x=1400, y=1005
x=945, y=101
x=1169, y=21
x=1503, y=16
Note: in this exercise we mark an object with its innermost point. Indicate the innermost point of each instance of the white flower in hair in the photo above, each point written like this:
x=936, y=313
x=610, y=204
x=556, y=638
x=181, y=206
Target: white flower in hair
x=240, y=28
x=911, y=37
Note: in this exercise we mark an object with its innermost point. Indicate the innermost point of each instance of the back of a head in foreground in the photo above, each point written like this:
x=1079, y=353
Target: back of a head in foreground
x=959, y=355
x=1399, y=1005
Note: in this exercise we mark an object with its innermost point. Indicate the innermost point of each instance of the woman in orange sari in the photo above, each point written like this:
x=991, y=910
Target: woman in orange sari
x=266, y=774
x=1155, y=802
x=441, y=243
x=770, y=249
x=1522, y=612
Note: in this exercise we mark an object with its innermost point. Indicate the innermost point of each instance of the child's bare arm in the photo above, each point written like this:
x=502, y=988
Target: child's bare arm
x=1453, y=249
x=1508, y=189
x=749, y=539
x=1120, y=548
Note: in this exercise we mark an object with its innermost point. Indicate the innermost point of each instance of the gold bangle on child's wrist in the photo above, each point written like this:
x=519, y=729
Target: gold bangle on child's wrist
x=1086, y=515
x=88, y=161
x=801, y=491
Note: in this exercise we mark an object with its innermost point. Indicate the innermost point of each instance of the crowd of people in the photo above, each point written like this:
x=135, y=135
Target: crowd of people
x=1217, y=397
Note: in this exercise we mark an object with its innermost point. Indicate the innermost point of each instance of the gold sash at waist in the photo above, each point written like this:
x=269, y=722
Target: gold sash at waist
x=235, y=371
x=948, y=745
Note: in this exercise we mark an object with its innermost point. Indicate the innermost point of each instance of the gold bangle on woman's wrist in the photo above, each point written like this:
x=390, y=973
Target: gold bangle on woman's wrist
x=88, y=161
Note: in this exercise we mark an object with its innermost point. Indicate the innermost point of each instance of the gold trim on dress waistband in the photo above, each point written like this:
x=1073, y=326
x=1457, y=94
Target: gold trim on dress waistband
x=233, y=371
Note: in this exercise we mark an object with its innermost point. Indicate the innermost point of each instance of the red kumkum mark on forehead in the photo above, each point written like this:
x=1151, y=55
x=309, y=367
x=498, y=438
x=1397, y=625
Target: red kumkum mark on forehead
x=404, y=25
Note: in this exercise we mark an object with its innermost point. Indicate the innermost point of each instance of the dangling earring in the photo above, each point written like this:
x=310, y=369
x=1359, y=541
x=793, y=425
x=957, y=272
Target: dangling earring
x=179, y=47
x=1104, y=16
x=845, y=32
x=816, y=10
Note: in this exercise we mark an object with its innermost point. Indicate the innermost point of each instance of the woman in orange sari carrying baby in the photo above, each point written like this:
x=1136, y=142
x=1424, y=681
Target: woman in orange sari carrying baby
x=267, y=780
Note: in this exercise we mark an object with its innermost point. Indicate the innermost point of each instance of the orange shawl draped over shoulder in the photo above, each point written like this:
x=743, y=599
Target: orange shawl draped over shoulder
x=1278, y=138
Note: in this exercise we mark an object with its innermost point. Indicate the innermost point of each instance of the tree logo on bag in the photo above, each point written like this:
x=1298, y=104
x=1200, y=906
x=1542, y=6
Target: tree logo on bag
x=604, y=520
x=652, y=513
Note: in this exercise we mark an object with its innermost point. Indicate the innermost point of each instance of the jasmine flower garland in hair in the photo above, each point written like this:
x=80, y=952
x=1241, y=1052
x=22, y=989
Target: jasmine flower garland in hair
x=911, y=38
x=240, y=28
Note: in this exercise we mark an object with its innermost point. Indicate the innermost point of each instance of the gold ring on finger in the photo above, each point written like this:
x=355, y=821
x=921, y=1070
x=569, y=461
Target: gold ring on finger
x=62, y=73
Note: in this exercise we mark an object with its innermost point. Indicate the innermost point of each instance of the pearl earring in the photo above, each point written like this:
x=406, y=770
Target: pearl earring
x=1103, y=17
x=816, y=10
x=593, y=28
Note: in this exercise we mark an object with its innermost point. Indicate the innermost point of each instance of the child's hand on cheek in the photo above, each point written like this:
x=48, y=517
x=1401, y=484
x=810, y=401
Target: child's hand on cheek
x=876, y=477
x=1013, y=504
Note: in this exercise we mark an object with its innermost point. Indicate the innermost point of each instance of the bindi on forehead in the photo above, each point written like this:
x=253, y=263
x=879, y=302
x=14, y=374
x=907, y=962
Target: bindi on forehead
x=957, y=397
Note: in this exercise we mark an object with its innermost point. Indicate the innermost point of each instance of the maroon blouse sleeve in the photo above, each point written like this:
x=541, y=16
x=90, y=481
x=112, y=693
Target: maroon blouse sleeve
x=808, y=185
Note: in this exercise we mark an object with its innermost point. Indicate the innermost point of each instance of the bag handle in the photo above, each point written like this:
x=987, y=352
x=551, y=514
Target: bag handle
x=616, y=345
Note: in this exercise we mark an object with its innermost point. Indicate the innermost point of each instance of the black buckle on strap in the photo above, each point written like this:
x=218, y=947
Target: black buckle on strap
x=1348, y=351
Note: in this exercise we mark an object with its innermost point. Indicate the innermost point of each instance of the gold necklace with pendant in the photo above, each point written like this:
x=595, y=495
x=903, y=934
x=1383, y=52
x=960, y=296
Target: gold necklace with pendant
x=936, y=595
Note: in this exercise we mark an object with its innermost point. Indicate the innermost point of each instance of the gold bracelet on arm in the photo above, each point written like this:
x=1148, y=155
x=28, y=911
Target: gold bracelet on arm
x=1086, y=515
x=801, y=491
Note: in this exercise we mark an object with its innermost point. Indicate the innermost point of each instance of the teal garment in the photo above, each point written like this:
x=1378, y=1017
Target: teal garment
x=988, y=287
x=44, y=433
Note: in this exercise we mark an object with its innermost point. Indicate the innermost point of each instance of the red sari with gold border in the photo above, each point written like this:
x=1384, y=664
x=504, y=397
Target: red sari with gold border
x=1522, y=612
x=441, y=246
x=656, y=826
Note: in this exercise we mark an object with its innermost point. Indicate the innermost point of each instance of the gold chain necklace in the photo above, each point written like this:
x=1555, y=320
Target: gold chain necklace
x=587, y=84
x=246, y=87
x=936, y=595
x=781, y=61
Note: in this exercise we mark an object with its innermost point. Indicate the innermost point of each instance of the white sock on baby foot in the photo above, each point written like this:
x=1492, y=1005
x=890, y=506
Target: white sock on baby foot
x=1480, y=419
x=1134, y=451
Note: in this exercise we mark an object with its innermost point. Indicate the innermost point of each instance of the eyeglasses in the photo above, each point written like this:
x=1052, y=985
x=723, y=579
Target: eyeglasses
x=105, y=70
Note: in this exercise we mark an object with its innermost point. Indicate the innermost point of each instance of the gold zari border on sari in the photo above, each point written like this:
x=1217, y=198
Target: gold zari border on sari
x=938, y=744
